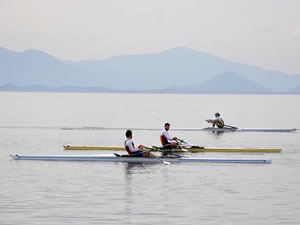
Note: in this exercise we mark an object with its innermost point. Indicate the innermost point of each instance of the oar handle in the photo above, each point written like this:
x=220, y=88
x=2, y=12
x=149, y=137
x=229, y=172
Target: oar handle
x=181, y=140
x=148, y=149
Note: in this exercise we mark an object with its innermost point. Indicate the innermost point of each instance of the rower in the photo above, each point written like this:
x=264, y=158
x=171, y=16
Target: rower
x=218, y=121
x=165, y=138
x=132, y=150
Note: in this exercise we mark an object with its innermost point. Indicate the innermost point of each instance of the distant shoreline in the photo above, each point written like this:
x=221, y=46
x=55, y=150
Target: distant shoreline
x=59, y=90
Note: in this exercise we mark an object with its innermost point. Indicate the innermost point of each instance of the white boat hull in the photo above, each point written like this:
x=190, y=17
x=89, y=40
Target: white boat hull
x=112, y=158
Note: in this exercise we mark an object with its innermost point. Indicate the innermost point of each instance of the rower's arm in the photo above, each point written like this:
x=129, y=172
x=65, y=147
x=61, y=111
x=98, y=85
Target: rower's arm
x=131, y=147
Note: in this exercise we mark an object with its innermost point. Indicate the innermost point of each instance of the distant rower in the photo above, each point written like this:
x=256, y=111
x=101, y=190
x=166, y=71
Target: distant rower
x=218, y=121
x=131, y=149
x=166, y=140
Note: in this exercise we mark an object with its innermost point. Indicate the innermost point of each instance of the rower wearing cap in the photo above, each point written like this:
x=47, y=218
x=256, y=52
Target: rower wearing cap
x=166, y=140
x=218, y=121
x=131, y=149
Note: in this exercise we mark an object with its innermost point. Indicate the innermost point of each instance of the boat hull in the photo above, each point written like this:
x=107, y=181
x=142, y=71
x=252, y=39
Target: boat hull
x=111, y=158
x=192, y=149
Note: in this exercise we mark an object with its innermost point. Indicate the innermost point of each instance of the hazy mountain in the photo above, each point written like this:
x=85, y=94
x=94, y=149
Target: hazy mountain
x=176, y=67
x=180, y=66
x=228, y=82
x=33, y=67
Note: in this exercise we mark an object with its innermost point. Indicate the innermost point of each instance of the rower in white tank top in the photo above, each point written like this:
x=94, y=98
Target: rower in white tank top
x=166, y=140
x=131, y=149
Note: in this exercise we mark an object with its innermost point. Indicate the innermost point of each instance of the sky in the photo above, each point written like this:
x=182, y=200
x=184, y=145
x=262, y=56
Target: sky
x=265, y=33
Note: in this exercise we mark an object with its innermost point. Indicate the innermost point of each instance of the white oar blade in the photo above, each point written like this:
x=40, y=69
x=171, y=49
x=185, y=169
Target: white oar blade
x=166, y=163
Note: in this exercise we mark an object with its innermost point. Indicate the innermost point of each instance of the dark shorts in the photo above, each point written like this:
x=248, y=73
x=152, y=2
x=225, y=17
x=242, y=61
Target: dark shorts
x=137, y=153
x=167, y=146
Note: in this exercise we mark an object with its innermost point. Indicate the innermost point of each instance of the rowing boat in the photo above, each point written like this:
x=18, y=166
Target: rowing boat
x=233, y=129
x=113, y=158
x=192, y=149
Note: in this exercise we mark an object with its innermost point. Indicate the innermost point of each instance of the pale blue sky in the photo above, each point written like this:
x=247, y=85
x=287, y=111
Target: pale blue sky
x=258, y=32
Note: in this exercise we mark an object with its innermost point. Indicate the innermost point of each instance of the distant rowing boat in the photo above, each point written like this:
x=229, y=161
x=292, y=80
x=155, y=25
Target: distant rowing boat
x=190, y=149
x=113, y=158
x=231, y=129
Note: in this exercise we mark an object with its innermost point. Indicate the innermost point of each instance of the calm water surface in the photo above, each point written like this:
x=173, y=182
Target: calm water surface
x=37, y=192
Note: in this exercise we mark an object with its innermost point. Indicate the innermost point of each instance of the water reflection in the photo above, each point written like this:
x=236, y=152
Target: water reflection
x=217, y=132
x=132, y=168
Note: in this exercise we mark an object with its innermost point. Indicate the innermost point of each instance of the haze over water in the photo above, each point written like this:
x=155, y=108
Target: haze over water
x=40, y=192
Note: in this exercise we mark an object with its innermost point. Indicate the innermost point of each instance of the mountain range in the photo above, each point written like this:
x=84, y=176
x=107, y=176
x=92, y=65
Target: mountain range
x=178, y=70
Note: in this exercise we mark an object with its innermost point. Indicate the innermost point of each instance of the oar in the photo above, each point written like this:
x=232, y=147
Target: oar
x=180, y=146
x=163, y=161
x=149, y=149
x=229, y=126
x=181, y=140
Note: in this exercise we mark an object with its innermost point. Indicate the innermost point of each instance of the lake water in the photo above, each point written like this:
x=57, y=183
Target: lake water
x=42, y=192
